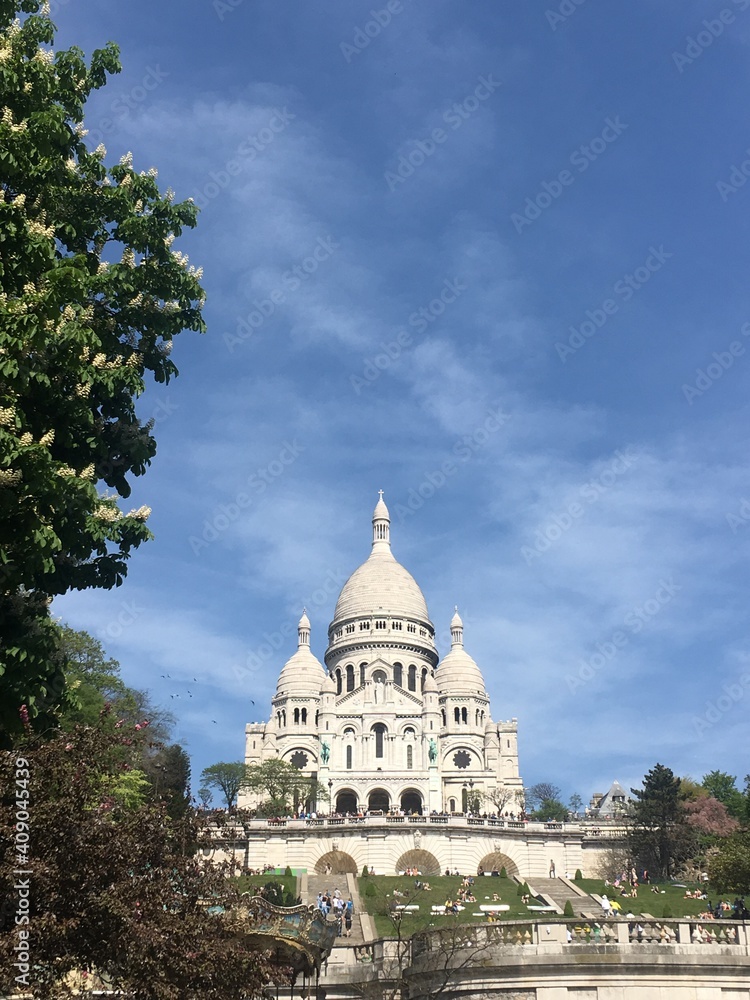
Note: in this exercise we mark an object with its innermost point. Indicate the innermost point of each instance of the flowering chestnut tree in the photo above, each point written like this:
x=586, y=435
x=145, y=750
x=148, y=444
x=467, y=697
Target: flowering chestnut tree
x=112, y=889
x=92, y=294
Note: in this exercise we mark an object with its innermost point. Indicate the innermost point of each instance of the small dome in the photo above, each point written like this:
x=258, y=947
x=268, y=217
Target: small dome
x=457, y=672
x=430, y=684
x=302, y=675
x=328, y=686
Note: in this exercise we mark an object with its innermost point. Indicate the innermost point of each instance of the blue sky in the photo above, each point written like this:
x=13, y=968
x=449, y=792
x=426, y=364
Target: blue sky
x=491, y=258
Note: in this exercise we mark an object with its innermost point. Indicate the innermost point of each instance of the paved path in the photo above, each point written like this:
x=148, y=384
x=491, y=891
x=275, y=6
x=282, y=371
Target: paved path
x=320, y=883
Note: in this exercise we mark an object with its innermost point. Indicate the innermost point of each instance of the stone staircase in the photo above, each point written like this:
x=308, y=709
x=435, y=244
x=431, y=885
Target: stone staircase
x=559, y=891
x=348, y=887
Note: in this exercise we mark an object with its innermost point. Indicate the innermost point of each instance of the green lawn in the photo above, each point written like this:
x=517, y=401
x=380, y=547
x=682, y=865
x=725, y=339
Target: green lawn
x=442, y=887
x=652, y=902
x=249, y=882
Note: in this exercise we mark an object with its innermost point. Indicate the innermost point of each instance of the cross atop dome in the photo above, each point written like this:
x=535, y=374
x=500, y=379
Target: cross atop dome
x=381, y=525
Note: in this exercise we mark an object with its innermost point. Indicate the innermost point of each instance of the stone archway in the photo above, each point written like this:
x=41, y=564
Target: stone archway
x=346, y=801
x=495, y=861
x=340, y=862
x=423, y=861
x=411, y=801
x=379, y=799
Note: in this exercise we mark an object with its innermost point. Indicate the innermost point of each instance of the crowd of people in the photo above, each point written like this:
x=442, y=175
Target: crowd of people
x=333, y=904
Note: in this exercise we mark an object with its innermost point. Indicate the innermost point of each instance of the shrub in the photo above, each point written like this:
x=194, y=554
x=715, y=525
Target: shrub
x=503, y=872
x=519, y=889
x=288, y=871
x=365, y=871
x=568, y=909
x=370, y=889
x=274, y=893
x=578, y=875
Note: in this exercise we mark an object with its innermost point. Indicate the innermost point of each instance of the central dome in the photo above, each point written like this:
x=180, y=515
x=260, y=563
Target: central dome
x=381, y=584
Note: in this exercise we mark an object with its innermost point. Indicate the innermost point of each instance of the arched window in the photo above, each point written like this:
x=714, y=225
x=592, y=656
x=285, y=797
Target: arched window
x=362, y=667
x=457, y=714
x=338, y=682
x=348, y=758
x=409, y=757
x=442, y=713
x=398, y=674
x=349, y=677
x=304, y=716
x=464, y=715
x=476, y=718
x=380, y=731
x=283, y=717
x=451, y=805
x=409, y=732
x=317, y=716
x=412, y=677
x=424, y=675
x=296, y=716
x=349, y=732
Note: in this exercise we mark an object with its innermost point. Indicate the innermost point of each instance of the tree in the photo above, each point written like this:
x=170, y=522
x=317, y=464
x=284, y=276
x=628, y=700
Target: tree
x=228, y=778
x=285, y=785
x=575, y=803
x=729, y=868
x=91, y=297
x=659, y=836
x=117, y=887
x=709, y=816
x=723, y=786
x=204, y=796
x=543, y=790
x=551, y=809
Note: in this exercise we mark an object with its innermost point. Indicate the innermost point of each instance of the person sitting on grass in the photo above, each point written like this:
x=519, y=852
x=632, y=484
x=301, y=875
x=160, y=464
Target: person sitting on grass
x=495, y=898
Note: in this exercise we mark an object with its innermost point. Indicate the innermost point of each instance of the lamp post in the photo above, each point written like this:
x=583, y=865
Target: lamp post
x=330, y=796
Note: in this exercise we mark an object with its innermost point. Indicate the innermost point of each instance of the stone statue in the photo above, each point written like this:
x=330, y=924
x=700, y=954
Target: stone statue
x=325, y=752
x=433, y=751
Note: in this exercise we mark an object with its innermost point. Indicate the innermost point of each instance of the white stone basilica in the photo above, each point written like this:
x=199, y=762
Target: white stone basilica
x=386, y=725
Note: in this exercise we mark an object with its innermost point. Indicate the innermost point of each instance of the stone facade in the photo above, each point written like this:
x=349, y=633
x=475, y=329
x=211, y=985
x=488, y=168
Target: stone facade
x=386, y=724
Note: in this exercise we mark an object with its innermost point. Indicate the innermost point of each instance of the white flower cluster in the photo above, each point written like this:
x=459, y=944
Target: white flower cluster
x=169, y=239
x=101, y=150
x=80, y=130
x=26, y=439
x=169, y=194
x=7, y=416
x=181, y=258
x=71, y=164
x=9, y=477
x=106, y=513
x=152, y=172
x=126, y=160
x=142, y=514
x=7, y=116
x=103, y=266
x=88, y=472
x=83, y=389
x=68, y=313
x=45, y=56
x=20, y=200
x=195, y=272
x=65, y=472
x=99, y=361
x=37, y=228
x=128, y=257
x=47, y=439
x=134, y=361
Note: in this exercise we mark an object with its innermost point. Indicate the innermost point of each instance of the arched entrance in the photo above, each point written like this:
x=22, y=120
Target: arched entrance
x=423, y=861
x=340, y=863
x=379, y=799
x=346, y=801
x=411, y=801
x=496, y=861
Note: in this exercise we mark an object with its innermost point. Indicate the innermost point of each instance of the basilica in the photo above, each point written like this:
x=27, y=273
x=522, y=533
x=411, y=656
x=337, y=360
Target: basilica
x=385, y=724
